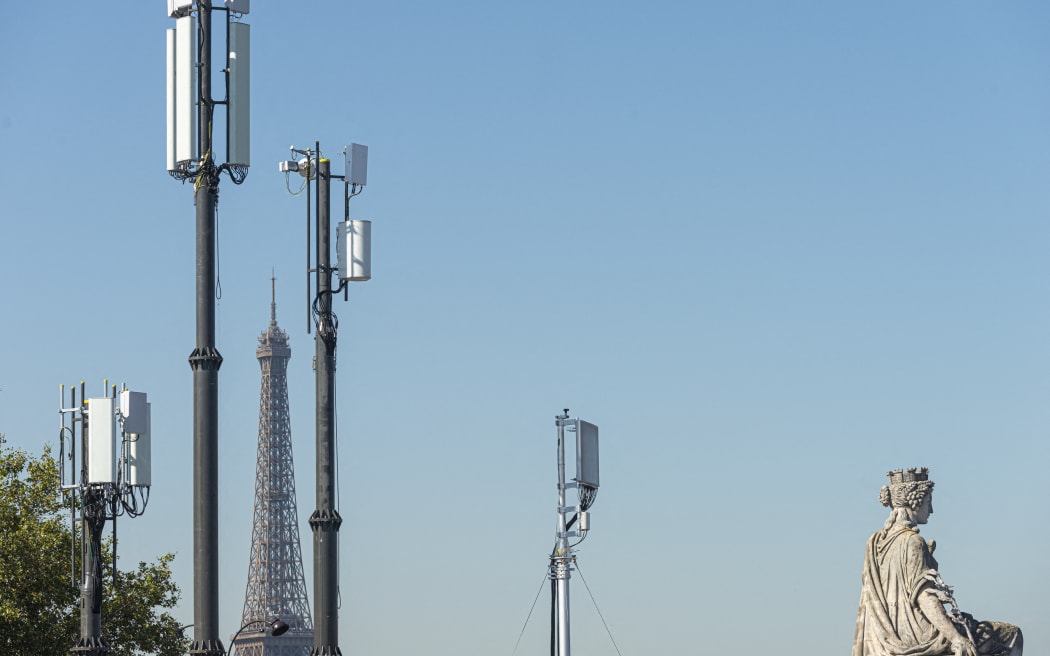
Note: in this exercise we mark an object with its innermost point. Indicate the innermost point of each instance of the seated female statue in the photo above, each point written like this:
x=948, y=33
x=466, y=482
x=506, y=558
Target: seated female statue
x=902, y=600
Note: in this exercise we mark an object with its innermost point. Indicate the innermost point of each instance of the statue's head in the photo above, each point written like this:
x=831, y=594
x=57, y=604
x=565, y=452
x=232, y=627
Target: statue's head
x=907, y=489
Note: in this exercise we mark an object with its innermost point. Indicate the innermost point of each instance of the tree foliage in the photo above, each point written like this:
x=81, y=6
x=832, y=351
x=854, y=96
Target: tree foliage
x=39, y=593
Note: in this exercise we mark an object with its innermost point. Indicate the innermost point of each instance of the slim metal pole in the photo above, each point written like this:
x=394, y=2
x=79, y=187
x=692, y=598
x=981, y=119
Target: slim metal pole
x=73, y=474
x=325, y=520
x=562, y=556
x=309, y=295
x=205, y=361
x=92, y=521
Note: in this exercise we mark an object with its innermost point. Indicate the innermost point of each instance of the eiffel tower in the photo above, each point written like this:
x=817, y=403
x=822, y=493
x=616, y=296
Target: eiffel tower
x=276, y=584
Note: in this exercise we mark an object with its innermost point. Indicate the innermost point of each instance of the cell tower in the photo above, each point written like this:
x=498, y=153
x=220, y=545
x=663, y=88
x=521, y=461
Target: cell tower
x=113, y=480
x=276, y=584
x=563, y=559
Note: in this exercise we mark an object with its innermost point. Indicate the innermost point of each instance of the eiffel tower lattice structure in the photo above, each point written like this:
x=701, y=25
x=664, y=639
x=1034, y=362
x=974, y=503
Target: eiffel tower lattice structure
x=276, y=584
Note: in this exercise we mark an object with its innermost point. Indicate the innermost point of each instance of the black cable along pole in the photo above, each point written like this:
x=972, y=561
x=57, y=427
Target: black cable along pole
x=205, y=361
x=325, y=520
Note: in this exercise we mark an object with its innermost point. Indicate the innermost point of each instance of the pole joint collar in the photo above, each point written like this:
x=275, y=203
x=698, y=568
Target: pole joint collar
x=205, y=357
x=325, y=520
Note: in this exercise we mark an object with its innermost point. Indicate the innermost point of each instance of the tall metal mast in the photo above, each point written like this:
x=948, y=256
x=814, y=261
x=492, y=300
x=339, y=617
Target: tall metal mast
x=205, y=362
x=562, y=558
x=190, y=58
x=113, y=479
x=325, y=520
x=353, y=264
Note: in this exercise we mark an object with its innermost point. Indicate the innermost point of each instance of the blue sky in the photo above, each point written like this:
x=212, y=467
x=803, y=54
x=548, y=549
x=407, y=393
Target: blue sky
x=772, y=249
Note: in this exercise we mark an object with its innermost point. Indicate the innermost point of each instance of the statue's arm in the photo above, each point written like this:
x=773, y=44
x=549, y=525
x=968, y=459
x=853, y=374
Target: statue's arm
x=933, y=609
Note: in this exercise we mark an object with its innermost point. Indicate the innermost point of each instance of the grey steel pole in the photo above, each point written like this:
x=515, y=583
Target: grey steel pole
x=205, y=362
x=325, y=520
x=562, y=556
x=93, y=518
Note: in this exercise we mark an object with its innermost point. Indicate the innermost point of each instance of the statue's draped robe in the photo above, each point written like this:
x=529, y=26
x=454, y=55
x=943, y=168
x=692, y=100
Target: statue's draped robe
x=889, y=622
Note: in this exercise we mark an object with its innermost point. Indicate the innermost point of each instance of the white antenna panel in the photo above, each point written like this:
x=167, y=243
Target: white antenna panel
x=178, y=8
x=133, y=410
x=101, y=441
x=185, y=102
x=354, y=250
x=170, y=34
x=586, y=453
x=139, y=455
x=357, y=164
x=238, y=127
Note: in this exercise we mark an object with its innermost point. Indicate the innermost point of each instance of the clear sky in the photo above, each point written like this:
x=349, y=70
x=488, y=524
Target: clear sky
x=773, y=249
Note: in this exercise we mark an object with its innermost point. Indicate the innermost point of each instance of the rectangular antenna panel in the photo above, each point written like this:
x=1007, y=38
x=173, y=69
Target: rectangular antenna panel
x=238, y=127
x=586, y=453
x=101, y=441
x=357, y=164
x=139, y=454
x=238, y=6
x=353, y=248
x=178, y=8
x=186, y=147
x=170, y=124
x=133, y=410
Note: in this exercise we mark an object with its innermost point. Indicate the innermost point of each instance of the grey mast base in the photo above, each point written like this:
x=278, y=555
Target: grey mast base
x=208, y=648
x=90, y=646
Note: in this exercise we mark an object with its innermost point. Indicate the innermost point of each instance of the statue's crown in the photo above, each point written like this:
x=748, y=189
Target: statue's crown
x=910, y=475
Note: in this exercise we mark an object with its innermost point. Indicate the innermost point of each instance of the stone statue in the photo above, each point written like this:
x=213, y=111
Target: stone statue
x=902, y=599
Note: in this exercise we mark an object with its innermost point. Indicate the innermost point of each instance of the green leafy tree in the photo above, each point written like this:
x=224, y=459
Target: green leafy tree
x=39, y=599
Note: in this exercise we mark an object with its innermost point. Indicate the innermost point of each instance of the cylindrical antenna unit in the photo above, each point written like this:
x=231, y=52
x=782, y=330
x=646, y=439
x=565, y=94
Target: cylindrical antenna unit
x=354, y=250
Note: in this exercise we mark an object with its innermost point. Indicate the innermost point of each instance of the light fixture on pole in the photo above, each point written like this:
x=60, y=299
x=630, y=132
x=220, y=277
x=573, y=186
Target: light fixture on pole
x=275, y=625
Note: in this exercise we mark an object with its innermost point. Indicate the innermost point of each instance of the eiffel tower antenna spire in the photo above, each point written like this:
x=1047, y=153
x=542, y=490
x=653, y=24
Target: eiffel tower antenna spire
x=273, y=297
x=276, y=584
